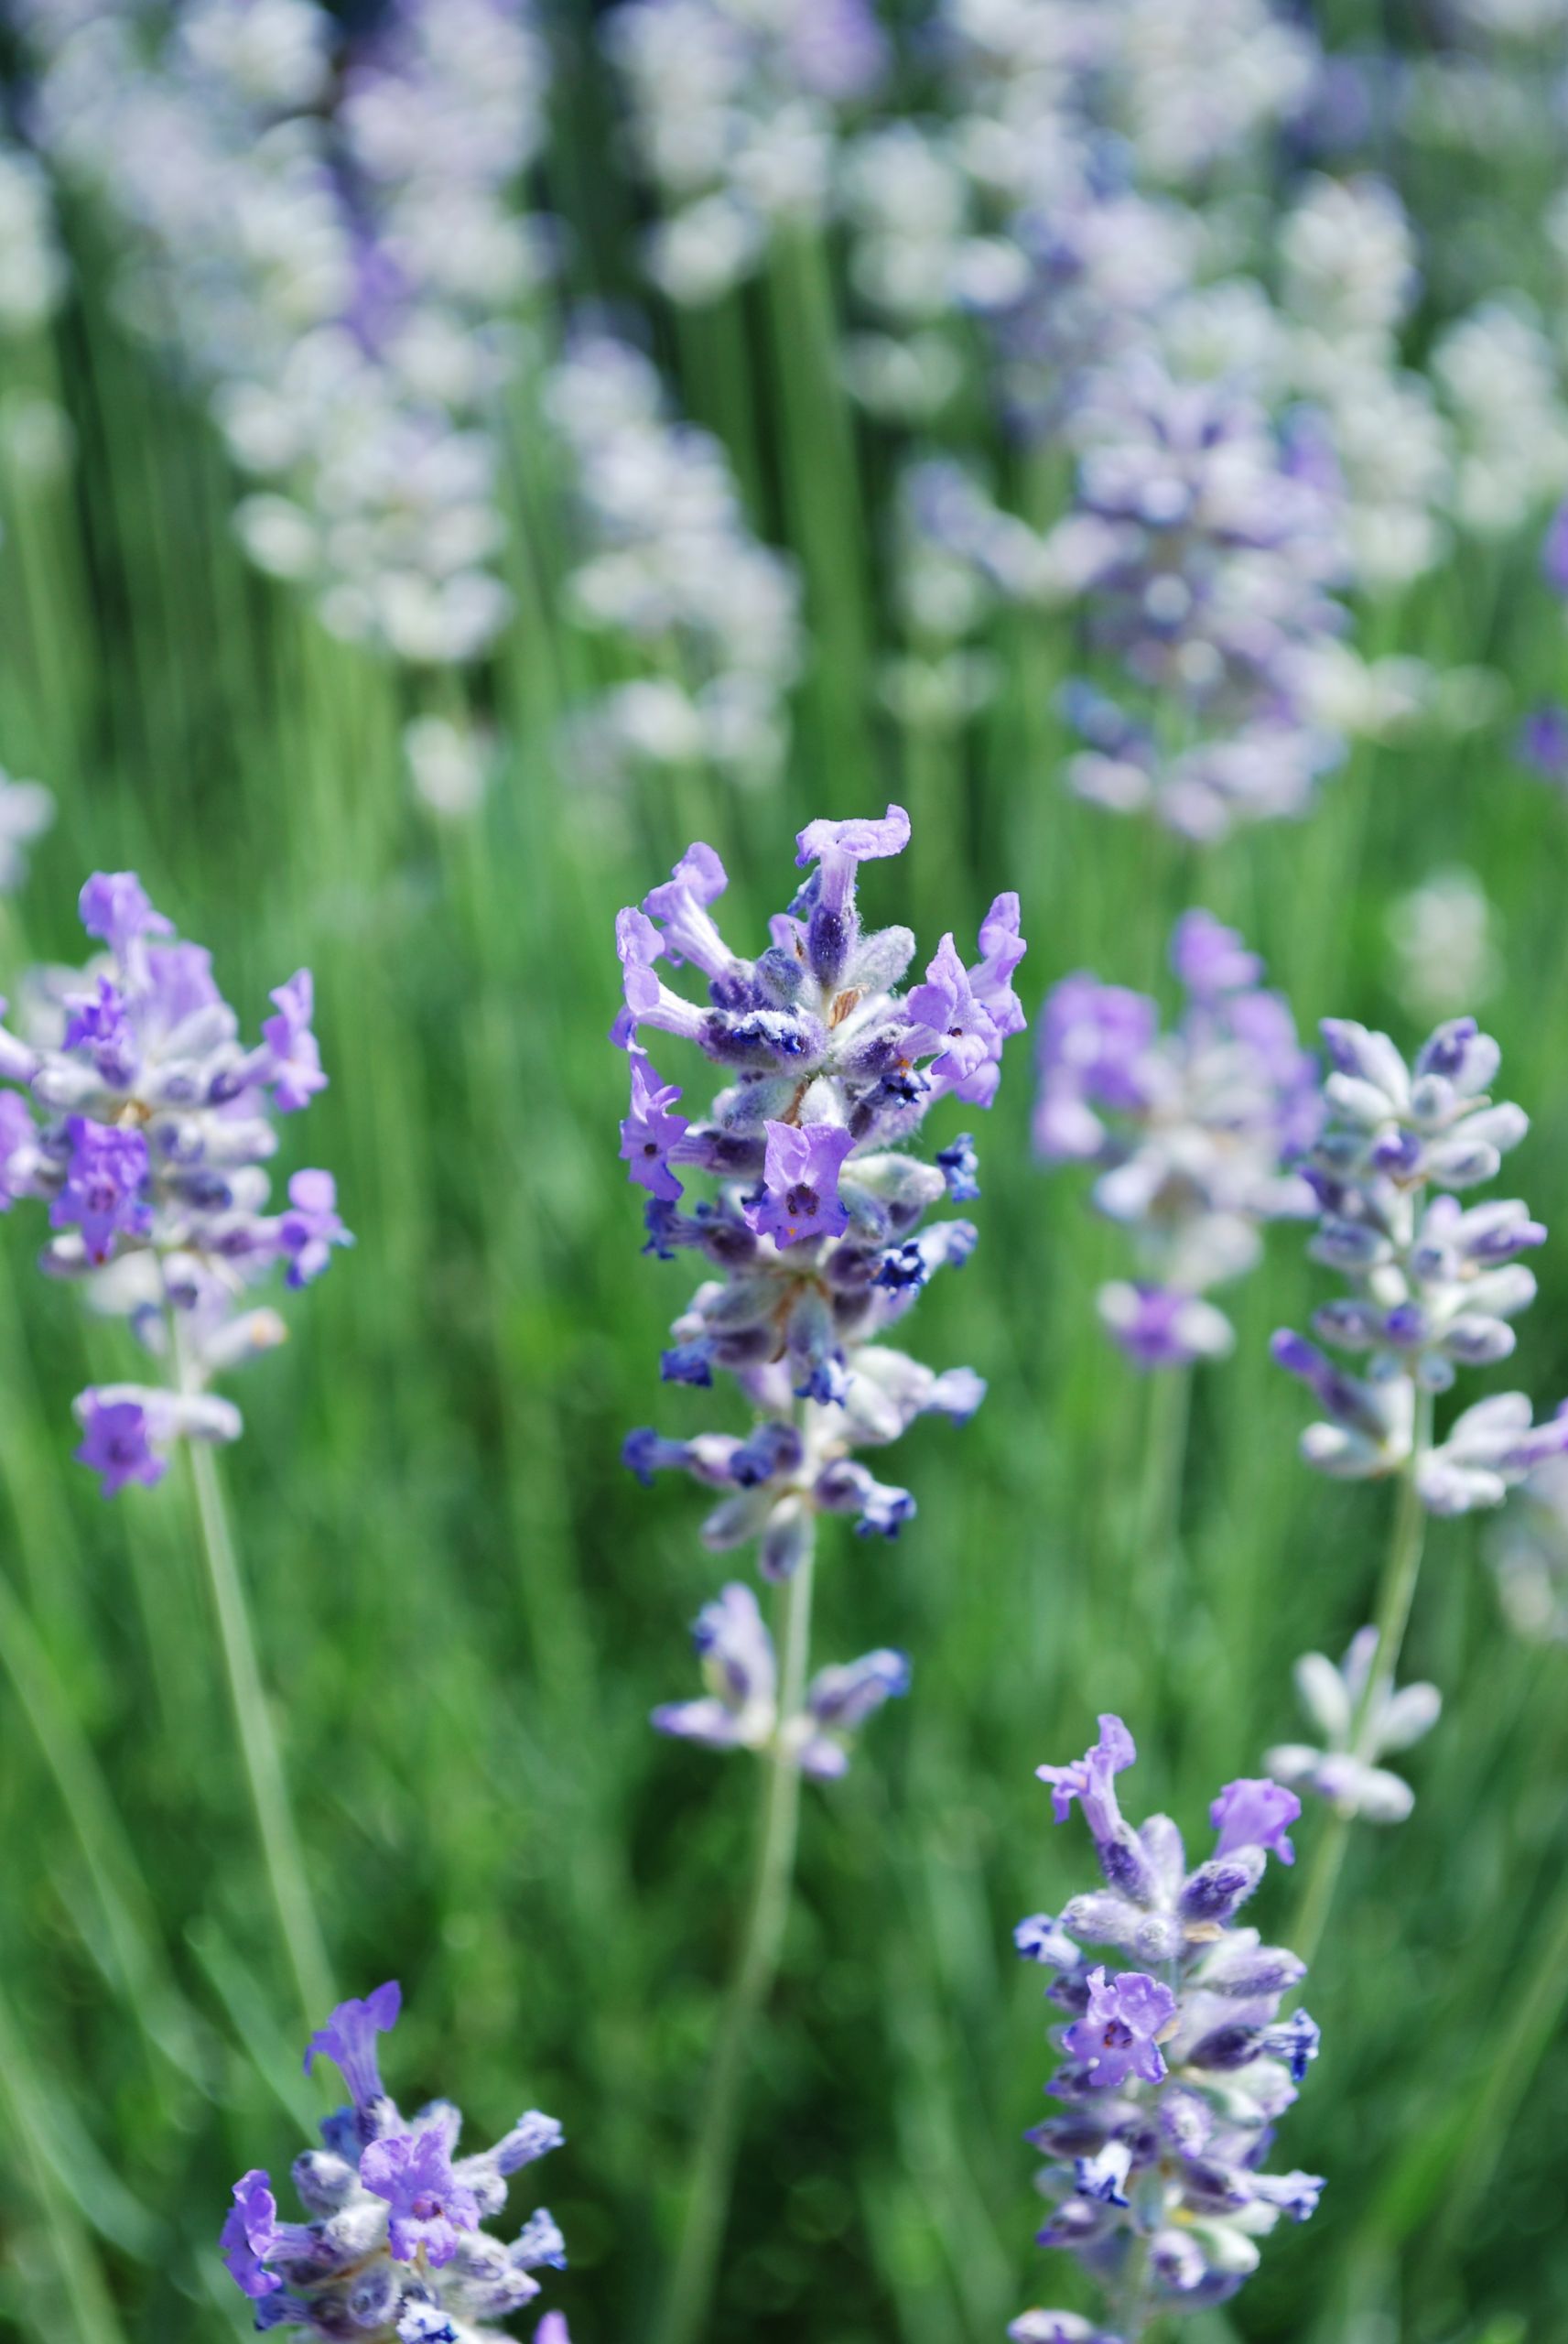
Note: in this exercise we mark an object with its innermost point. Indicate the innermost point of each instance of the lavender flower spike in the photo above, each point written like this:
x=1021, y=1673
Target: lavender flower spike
x=143, y=1123
x=1433, y=1284
x=1177, y=2067
x=391, y=2245
x=1195, y=1132
x=813, y=1239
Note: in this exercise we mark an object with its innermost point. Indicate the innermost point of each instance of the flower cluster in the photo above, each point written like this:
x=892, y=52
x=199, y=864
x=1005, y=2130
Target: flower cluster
x=672, y=568
x=392, y=2247
x=741, y=1710
x=1213, y=598
x=736, y=107
x=1175, y=2071
x=325, y=237
x=1361, y=1719
x=816, y=1235
x=1193, y=1130
x=143, y=1123
x=1433, y=1284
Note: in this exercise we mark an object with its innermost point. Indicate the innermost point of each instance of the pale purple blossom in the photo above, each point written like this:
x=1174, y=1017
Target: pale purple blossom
x=1195, y=1131
x=392, y=2242
x=1177, y=2066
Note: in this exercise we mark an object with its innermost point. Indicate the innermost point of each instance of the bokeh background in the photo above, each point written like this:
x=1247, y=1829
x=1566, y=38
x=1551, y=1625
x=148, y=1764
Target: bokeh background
x=466, y=1609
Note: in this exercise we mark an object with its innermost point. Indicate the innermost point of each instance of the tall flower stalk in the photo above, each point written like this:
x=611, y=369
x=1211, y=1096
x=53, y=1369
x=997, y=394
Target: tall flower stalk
x=814, y=1235
x=143, y=1123
x=1433, y=1287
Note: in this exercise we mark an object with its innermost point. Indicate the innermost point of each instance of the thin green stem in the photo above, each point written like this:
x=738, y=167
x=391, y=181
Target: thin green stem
x=1395, y=1597
x=258, y=1744
x=690, y=2295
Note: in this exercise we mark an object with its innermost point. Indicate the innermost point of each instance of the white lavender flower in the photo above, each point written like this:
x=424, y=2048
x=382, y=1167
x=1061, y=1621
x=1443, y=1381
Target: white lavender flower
x=672, y=569
x=1433, y=1284
x=327, y=239
x=1528, y=1550
x=736, y=108
x=27, y=811
x=1501, y=381
x=1360, y=1720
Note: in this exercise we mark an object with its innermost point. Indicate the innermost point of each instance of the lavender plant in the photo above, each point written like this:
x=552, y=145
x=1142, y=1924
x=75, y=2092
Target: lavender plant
x=1435, y=1286
x=1194, y=1132
x=815, y=1239
x=1175, y=2074
x=1342, y=1770
x=392, y=2248
x=141, y=1120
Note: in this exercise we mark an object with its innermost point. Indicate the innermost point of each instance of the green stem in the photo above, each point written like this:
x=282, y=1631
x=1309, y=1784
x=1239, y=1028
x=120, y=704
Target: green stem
x=258, y=1744
x=690, y=2295
x=1132, y=2314
x=1395, y=1597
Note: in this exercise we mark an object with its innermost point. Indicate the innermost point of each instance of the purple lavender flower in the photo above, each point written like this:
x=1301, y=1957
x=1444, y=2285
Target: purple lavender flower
x=103, y=1193
x=1195, y=1131
x=308, y=1231
x=1542, y=742
x=249, y=2233
x=1090, y=1779
x=800, y=1183
x=349, y=2040
x=1178, y=2066
x=813, y=1242
x=741, y=1711
x=296, y=1071
x=1117, y=2035
x=156, y=1124
x=1554, y=551
x=1214, y=594
x=1255, y=1813
x=117, y=1444
x=650, y=1132
x=429, y=2207
x=392, y=2242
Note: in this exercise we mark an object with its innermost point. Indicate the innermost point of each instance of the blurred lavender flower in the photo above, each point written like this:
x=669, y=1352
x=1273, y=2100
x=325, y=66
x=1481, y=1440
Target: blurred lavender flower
x=324, y=238
x=156, y=1124
x=736, y=108
x=1528, y=1550
x=1178, y=2068
x=27, y=811
x=392, y=2244
x=1213, y=590
x=1193, y=1130
x=32, y=266
x=1360, y=1720
x=816, y=1234
x=1444, y=942
x=740, y=1711
x=1542, y=742
x=1433, y=1284
x=1500, y=378
x=671, y=565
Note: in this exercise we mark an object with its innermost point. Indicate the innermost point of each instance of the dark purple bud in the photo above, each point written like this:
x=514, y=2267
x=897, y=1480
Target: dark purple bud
x=688, y=1363
x=1214, y=1890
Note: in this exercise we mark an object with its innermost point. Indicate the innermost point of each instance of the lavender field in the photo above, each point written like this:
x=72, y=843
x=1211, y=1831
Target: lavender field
x=785, y=1160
